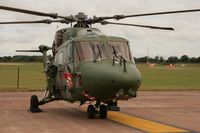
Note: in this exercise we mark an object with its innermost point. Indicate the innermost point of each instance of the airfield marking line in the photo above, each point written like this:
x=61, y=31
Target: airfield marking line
x=143, y=124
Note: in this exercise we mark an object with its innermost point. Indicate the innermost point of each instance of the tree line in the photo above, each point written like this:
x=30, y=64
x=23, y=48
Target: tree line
x=156, y=59
x=169, y=60
x=21, y=58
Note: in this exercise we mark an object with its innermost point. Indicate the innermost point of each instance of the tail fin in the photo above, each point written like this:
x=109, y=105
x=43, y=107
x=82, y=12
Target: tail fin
x=27, y=50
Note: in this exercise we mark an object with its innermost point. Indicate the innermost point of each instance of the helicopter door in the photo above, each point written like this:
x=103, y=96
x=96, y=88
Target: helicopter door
x=69, y=68
x=60, y=60
x=60, y=65
x=69, y=59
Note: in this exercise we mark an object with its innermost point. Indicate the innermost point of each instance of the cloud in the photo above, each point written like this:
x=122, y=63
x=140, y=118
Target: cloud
x=184, y=40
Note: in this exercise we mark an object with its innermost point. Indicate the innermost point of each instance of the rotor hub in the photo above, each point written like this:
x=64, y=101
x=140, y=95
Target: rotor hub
x=81, y=16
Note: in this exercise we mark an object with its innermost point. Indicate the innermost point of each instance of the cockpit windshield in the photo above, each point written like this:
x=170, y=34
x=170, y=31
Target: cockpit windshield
x=95, y=50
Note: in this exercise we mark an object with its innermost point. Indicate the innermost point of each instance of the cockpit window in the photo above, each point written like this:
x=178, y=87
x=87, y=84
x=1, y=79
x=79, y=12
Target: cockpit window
x=90, y=50
x=120, y=48
x=96, y=50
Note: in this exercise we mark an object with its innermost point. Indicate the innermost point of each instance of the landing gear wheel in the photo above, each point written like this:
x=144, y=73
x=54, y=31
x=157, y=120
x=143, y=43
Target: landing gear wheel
x=34, y=104
x=103, y=112
x=91, y=112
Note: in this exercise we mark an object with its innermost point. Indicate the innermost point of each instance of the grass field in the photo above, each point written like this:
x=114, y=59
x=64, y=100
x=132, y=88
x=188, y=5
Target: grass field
x=160, y=77
x=31, y=77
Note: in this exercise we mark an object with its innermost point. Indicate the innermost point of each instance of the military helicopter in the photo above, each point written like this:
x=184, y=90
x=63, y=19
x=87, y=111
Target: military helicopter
x=87, y=65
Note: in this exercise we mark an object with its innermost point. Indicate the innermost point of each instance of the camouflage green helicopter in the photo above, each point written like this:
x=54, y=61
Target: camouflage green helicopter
x=88, y=65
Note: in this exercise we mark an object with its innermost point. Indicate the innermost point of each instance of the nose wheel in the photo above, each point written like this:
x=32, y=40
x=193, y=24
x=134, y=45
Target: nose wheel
x=103, y=112
x=97, y=109
x=91, y=112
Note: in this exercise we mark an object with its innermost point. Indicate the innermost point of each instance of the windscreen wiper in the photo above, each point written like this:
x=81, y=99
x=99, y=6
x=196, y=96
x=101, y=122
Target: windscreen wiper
x=116, y=54
x=120, y=57
x=98, y=54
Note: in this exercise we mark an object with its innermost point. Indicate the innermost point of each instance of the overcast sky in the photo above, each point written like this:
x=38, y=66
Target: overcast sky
x=184, y=40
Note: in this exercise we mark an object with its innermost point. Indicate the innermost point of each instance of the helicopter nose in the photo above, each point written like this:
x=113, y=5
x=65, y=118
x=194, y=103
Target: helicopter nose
x=126, y=83
x=104, y=80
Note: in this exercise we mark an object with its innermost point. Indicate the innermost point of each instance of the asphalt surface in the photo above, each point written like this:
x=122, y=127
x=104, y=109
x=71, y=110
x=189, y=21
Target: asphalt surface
x=176, y=109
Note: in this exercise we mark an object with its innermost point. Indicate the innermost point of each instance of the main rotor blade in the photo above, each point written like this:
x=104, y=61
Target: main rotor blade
x=118, y=17
x=137, y=25
x=52, y=15
x=45, y=21
x=162, y=13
